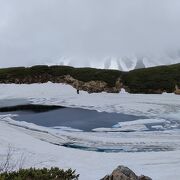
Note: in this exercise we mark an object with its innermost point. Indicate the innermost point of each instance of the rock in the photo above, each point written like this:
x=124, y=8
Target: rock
x=177, y=90
x=93, y=86
x=124, y=173
x=142, y=177
x=121, y=173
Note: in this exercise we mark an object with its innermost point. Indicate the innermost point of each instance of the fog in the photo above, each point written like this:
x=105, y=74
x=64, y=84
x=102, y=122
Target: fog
x=86, y=32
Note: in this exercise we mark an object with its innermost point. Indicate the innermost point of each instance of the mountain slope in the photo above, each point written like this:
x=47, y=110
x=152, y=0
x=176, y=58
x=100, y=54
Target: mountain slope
x=126, y=63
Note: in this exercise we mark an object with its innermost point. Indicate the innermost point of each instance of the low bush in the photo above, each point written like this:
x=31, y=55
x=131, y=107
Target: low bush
x=40, y=174
x=146, y=80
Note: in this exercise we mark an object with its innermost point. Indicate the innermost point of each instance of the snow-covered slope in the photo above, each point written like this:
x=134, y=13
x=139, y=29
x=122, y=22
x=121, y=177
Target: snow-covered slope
x=125, y=63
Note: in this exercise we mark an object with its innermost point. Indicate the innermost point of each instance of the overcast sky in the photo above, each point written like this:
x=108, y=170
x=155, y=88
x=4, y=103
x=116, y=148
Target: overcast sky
x=37, y=31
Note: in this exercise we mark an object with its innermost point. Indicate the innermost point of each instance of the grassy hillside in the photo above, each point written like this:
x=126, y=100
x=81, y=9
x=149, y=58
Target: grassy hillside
x=82, y=74
x=149, y=80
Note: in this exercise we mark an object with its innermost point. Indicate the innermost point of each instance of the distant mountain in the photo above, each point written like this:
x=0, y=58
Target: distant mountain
x=123, y=64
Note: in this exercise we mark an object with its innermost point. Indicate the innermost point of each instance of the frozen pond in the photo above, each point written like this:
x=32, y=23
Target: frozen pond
x=101, y=131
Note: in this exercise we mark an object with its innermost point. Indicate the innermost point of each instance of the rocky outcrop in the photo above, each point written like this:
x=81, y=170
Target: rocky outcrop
x=93, y=86
x=90, y=86
x=124, y=173
x=177, y=90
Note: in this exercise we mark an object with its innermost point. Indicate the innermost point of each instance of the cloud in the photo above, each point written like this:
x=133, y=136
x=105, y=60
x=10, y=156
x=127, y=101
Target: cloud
x=34, y=32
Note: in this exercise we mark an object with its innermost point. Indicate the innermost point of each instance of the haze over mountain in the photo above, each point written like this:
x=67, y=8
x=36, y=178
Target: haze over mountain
x=116, y=34
x=125, y=63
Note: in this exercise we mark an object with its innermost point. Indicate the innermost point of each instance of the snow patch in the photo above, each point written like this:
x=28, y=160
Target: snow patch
x=139, y=122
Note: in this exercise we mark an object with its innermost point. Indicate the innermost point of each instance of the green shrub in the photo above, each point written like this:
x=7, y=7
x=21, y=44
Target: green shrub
x=155, y=78
x=82, y=74
x=40, y=174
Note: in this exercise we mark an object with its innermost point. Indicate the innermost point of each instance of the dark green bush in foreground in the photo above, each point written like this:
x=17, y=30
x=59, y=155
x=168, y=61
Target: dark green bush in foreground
x=40, y=174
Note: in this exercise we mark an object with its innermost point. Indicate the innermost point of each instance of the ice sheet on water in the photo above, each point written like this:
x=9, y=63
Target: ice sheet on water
x=100, y=140
x=140, y=122
x=126, y=128
x=63, y=128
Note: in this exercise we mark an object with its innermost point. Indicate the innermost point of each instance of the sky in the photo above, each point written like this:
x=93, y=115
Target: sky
x=41, y=31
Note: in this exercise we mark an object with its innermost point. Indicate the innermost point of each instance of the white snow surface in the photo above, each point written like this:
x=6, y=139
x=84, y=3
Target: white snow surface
x=39, y=144
x=139, y=122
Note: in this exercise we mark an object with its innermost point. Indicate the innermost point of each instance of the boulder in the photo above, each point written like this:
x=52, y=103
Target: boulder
x=124, y=173
x=177, y=90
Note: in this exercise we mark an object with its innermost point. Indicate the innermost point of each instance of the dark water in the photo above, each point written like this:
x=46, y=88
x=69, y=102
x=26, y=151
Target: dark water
x=77, y=118
x=12, y=102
